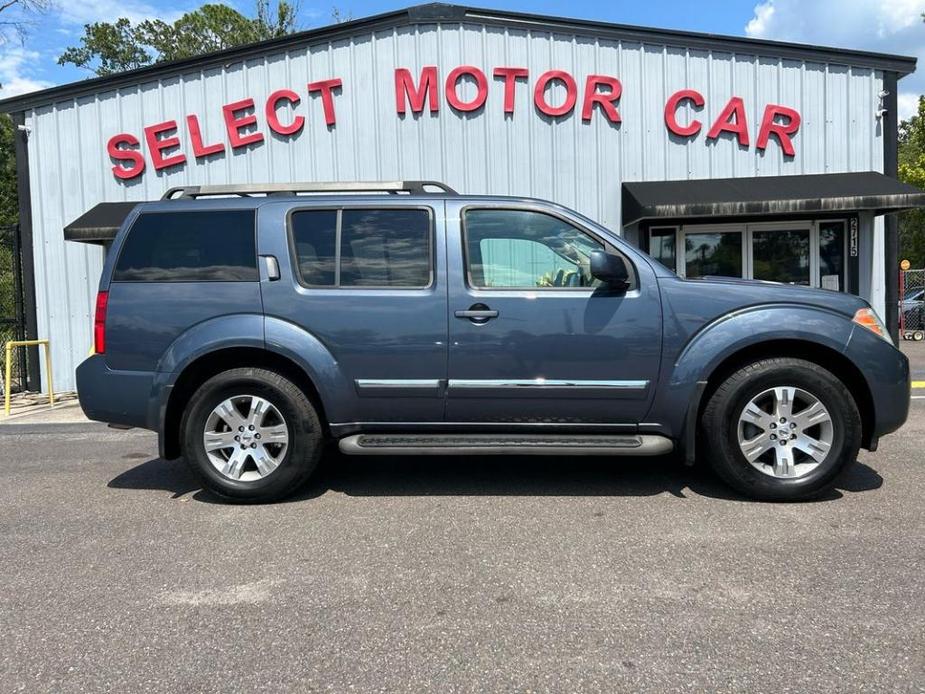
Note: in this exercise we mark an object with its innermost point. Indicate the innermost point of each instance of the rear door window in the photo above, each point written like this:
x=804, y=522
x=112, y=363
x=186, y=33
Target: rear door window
x=197, y=246
x=387, y=248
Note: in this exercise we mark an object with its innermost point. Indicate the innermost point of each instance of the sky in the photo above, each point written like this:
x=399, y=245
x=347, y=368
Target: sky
x=888, y=26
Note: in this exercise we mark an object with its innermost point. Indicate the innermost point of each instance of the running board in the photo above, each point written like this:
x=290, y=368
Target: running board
x=498, y=444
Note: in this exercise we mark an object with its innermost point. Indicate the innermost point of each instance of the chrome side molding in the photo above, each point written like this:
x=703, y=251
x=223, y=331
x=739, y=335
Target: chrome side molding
x=546, y=383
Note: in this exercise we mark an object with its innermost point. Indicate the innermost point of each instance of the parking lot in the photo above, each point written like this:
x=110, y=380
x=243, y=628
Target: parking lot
x=454, y=574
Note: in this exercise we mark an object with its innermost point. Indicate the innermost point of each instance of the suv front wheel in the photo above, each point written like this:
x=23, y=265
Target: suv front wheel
x=781, y=429
x=251, y=435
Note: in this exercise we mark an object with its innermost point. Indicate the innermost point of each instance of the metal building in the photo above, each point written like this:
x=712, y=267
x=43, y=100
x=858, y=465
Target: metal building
x=716, y=154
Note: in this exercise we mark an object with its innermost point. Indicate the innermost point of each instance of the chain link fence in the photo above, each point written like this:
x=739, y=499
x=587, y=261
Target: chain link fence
x=12, y=317
x=912, y=305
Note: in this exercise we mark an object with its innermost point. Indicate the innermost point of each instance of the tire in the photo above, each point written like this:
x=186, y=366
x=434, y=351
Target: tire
x=812, y=467
x=256, y=467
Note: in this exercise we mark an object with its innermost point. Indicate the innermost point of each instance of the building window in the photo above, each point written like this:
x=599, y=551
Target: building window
x=213, y=246
x=522, y=249
x=713, y=253
x=781, y=255
x=662, y=242
x=832, y=255
x=384, y=248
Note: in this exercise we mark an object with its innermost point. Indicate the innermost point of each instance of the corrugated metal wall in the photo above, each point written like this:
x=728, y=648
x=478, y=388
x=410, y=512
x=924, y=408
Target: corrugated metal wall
x=578, y=164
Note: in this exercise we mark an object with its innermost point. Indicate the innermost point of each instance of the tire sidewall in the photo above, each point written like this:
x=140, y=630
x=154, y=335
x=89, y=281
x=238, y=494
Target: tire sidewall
x=834, y=397
x=304, y=434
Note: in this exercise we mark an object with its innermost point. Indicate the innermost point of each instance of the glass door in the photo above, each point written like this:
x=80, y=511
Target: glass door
x=809, y=253
x=781, y=255
x=716, y=251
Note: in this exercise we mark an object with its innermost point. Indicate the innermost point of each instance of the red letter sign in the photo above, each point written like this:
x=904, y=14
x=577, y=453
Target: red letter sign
x=127, y=155
x=671, y=109
x=481, y=84
x=783, y=131
x=234, y=123
x=157, y=145
x=607, y=100
x=273, y=119
x=725, y=123
x=326, y=88
x=195, y=136
x=510, y=75
x=404, y=87
x=571, y=95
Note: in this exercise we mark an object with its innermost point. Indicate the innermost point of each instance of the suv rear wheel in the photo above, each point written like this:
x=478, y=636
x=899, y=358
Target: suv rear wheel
x=251, y=435
x=781, y=429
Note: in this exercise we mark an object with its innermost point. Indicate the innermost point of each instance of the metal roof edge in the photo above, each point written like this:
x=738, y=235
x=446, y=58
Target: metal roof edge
x=441, y=12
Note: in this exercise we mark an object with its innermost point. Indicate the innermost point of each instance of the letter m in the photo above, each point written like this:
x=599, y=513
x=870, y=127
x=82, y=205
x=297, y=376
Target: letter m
x=406, y=92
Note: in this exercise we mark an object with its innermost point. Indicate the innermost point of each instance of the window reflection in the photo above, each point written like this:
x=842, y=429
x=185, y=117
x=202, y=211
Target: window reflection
x=713, y=253
x=781, y=256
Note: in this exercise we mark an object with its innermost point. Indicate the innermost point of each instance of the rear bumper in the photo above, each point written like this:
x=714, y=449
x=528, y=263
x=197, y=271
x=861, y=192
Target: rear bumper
x=115, y=397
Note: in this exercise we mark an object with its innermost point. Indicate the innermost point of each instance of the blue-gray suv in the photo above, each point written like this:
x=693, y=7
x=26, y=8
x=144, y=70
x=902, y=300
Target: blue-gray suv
x=250, y=325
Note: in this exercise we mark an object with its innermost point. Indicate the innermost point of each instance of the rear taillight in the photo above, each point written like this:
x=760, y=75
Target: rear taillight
x=99, y=323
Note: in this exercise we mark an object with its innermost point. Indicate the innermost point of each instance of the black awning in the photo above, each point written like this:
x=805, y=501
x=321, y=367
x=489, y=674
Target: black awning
x=768, y=196
x=100, y=223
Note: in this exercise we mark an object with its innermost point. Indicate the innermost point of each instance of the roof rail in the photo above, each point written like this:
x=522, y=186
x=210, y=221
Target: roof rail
x=247, y=189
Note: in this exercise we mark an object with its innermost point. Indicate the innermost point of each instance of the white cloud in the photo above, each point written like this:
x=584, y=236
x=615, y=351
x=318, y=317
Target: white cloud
x=16, y=72
x=764, y=15
x=90, y=11
x=883, y=26
x=907, y=104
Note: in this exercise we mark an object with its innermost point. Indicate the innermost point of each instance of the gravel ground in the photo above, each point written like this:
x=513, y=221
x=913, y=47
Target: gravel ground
x=453, y=574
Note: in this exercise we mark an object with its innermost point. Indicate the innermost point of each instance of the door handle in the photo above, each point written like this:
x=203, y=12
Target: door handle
x=272, y=266
x=477, y=313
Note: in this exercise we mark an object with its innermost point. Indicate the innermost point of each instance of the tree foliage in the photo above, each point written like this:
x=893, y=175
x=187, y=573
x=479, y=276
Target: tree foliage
x=107, y=48
x=912, y=170
x=9, y=212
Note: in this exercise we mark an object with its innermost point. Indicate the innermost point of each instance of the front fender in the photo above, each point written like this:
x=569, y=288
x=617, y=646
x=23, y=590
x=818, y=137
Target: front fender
x=676, y=401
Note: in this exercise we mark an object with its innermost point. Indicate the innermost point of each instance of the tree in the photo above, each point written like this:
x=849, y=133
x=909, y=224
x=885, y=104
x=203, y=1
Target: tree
x=17, y=16
x=9, y=210
x=912, y=170
x=107, y=48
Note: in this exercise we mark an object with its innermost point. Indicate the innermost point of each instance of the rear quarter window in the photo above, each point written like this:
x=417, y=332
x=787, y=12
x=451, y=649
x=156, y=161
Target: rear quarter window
x=200, y=246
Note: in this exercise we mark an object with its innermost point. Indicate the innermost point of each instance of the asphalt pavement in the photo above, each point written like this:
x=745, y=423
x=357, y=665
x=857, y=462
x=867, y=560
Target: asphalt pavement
x=482, y=574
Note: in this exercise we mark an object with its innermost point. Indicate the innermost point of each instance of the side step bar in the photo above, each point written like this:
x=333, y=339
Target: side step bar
x=498, y=444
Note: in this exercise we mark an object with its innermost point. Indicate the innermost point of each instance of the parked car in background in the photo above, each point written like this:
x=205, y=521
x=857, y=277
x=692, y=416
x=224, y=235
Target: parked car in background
x=248, y=330
x=912, y=307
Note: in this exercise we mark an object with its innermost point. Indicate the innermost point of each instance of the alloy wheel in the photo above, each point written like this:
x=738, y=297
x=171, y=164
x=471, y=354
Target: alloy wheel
x=785, y=432
x=245, y=438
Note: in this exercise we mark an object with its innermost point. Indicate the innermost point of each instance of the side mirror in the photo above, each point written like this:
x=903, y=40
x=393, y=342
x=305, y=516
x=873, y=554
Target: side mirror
x=610, y=269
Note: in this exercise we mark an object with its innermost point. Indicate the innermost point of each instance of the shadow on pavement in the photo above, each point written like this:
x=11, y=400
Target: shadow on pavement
x=488, y=476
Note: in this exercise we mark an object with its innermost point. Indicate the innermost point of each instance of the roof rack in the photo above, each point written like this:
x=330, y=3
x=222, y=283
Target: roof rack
x=247, y=189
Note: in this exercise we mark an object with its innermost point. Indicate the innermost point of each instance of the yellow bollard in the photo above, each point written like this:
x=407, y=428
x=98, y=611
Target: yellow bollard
x=9, y=368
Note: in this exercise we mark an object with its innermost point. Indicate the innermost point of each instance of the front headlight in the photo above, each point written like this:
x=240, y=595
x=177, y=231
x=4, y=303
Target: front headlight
x=866, y=318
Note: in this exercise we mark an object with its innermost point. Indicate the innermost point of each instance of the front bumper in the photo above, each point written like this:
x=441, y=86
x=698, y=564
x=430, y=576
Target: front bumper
x=115, y=397
x=886, y=371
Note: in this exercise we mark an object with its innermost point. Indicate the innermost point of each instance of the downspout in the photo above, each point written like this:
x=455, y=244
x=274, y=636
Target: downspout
x=891, y=221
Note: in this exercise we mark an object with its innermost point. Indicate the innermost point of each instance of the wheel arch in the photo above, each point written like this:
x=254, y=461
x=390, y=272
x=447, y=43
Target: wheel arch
x=204, y=367
x=829, y=359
